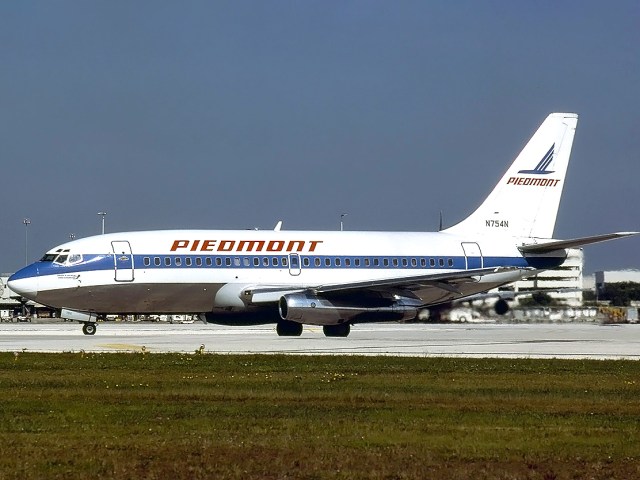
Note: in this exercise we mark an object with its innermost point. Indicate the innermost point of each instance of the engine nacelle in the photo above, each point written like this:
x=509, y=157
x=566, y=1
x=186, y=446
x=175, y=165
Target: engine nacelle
x=314, y=310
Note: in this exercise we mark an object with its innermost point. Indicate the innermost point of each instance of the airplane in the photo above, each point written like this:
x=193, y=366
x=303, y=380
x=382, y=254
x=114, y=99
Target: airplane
x=332, y=279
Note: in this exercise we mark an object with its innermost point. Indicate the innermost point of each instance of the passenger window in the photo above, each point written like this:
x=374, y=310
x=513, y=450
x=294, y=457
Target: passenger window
x=423, y=262
x=414, y=262
x=236, y=262
x=327, y=262
x=338, y=262
x=147, y=261
x=187, y=261
x=245, y=261
x=395, y=262
x=441, y=262
x=227, y=261
x=317, y=262
x=284, y=261
x=156, y=261
x=167, y=261
x=178, y=261
x=405, y=263
x=274, y=261
x=347, y=262
x=385, y=262
x=265, y=261
x=198, y=261
x=432, y=262
x=218, y=261
x=450, y=262
x=208, y=261
x=305, y=262
x=367, y=262
x=357, y=262
x=256, y=262
x=376, y=262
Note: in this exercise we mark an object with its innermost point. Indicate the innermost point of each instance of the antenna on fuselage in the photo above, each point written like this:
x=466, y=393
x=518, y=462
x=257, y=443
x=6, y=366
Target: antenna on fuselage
x=341, y=221
x=278, y=226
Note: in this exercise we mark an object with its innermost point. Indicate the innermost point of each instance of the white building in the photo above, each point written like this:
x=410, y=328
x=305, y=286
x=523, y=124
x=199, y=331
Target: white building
x=563, y=284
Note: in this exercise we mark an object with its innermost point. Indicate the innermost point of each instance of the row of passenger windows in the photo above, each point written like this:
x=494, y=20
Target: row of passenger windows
x=276, y=261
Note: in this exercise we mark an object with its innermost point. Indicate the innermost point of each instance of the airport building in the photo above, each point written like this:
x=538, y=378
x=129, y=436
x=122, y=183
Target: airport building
x=564, y=284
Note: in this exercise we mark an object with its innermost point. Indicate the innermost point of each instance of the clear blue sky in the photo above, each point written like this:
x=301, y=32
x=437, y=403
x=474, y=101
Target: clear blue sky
x=237, y=114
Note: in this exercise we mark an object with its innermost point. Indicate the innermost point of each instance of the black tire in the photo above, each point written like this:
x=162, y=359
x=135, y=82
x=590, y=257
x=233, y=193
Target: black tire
x=89, y=328
x=341, y=330
x=501, y=307
x=286, y=328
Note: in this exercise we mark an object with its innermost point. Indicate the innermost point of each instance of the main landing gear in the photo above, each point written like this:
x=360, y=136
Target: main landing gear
x=286, y=328
x=341, y=330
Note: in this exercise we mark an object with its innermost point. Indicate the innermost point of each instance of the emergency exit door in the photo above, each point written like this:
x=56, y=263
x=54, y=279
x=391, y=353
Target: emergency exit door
x=473, y=255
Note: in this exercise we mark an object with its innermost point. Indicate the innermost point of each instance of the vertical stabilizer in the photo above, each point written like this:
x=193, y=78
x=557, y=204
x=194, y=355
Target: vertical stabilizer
x=525, y=201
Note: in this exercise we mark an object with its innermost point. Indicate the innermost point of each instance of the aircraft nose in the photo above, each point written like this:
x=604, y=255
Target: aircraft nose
x=25, y=282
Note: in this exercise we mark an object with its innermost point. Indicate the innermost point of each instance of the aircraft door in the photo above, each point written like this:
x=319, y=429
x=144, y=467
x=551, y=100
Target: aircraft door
x=122, y=261
x=294, y=264
x=473, y=255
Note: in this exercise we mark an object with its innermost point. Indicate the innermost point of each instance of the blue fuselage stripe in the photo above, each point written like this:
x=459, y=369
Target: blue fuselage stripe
x=302, y=262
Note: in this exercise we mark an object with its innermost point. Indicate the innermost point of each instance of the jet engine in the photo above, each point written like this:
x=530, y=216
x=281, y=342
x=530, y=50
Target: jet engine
x=311, y=309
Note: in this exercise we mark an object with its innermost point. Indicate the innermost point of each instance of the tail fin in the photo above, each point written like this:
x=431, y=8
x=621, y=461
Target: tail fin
x=525, y=201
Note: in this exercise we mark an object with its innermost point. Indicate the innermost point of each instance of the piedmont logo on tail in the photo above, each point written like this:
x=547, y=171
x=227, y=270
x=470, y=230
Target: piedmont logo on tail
x=330, y=278
x=541, y=168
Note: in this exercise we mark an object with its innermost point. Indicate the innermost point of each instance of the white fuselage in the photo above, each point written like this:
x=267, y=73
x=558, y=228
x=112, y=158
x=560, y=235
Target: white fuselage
x=204, y=270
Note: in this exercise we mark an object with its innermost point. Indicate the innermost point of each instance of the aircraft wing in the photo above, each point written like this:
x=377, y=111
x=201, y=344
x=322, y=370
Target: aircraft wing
x=450, y=282
x=573, y=243
x=446, y=281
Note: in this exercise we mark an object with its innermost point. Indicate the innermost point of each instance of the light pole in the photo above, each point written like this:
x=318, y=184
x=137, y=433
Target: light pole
x=102, y=214
x=26, y=222
x=341, y=222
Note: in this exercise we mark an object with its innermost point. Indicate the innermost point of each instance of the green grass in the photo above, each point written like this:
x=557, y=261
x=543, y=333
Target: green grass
x=211, y=416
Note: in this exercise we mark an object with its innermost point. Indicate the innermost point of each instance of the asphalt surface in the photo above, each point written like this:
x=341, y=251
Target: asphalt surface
x=578, y=340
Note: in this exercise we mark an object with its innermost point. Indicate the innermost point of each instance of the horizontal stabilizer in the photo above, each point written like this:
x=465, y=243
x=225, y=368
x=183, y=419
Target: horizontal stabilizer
x=573, y=243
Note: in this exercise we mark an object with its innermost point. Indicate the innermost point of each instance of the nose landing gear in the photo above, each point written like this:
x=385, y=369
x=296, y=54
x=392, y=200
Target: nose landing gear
x=89, y=328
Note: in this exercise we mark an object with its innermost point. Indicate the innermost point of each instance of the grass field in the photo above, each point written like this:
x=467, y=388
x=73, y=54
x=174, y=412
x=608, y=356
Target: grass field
x=209, y=416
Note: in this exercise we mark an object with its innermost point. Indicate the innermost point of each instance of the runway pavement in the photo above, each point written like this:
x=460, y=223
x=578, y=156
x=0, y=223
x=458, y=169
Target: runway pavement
x=582, y=340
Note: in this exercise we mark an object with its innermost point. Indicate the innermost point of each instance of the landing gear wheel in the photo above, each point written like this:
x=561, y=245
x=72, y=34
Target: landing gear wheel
x=341, y=330
x=501, y=307
x=286, y=328
x=89, y=329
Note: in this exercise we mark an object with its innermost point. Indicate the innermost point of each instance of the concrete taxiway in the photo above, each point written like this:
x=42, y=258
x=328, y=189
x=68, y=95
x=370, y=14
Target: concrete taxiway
x=584, y=340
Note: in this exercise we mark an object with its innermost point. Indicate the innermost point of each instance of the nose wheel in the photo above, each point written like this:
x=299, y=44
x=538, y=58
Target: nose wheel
x=89, y=328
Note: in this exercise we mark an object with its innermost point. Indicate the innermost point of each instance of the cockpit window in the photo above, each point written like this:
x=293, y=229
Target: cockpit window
x=61, y=258
x=75, y=258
